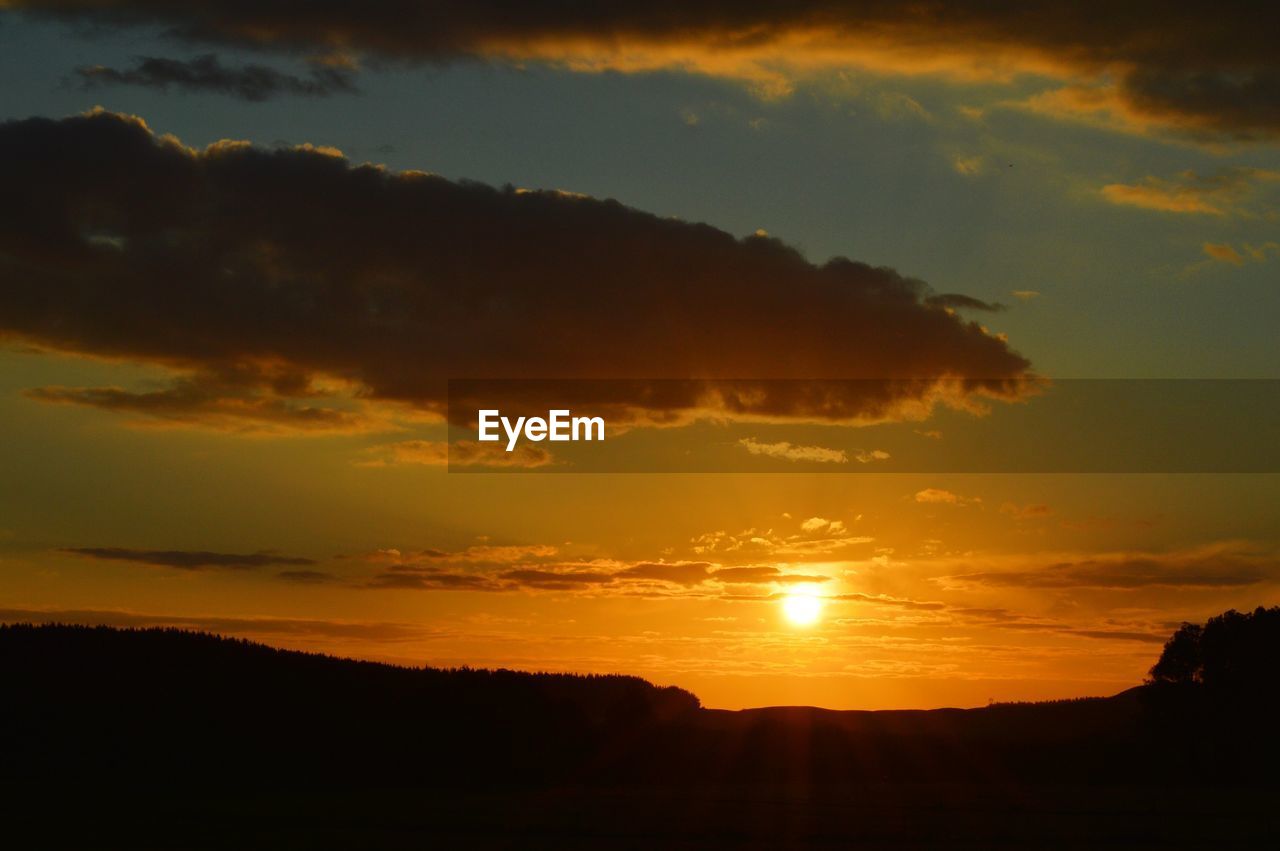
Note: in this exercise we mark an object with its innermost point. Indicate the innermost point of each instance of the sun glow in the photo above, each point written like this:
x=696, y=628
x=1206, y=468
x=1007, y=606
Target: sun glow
x=802, y=609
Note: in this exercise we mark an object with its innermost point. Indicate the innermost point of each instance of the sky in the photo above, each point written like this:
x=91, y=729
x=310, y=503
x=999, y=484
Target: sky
x=245, y=250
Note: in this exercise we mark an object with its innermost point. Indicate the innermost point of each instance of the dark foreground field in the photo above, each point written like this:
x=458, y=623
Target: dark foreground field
x=165, y=739
x=876, y=816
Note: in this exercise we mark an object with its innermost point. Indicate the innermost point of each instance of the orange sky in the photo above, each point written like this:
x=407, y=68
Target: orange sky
x=237, y=277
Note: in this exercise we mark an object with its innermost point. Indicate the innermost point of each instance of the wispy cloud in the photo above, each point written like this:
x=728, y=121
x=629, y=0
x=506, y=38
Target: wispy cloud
x=1030, y=511
x=941, y=496
x=1223, y=252
x=459, y=453
x=207, y=74
x=188, y=559
x=1224, y=193
x=1217, y=566
x=545, y=568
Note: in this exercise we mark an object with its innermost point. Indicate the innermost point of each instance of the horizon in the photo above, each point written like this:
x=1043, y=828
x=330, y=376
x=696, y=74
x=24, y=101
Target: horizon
x=194, y=633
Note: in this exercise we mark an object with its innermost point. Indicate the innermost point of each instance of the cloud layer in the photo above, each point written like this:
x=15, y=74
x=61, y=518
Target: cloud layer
x=1216, y=566
x=1221, y=194
x=1179, y=65
x=189, y=559
x=207, y=74
x=271, y=282
x=542, y=569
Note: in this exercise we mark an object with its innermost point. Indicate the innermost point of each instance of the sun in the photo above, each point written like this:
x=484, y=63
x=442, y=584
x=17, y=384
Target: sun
x=802, y=609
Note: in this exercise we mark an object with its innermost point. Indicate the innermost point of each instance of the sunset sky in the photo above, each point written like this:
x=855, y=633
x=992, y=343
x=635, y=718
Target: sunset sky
x=243, y=251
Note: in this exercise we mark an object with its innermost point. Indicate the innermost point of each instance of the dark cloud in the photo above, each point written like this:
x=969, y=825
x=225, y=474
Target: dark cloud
x=679, y=573
x=480, y=554
x=755, y=598
x=1030, y=511
x=1202, y=69
x=207, y=74
x=308, y=577
x=1239, y=97
x=434, y=579
x=536, y=568
x=1005, y=619
x=188, y=559
x=1210, y=568
x=271, y=280
x=896, y=602
x=205, y=402
x=556, y=580
x=764, y=575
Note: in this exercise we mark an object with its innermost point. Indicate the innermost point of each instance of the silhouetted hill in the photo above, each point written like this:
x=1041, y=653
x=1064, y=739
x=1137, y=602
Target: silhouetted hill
x=164, y=703
x=171, y=739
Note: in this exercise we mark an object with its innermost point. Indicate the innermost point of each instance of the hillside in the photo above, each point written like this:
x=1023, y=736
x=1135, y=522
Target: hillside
x=161, y=702
x=169, y=739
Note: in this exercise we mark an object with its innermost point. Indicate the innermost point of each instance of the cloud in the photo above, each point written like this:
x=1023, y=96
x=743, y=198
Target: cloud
x=790, y=452
x=459, y=453
x=897, y=602
x=188, y=559
x=680, y=573
x=765, y=575
x=1158, y=65
x=1025, y=295
x=822, y=524
x=486, y=554
x=1223, y=253
x=957, y=301
x=1239, y=98
x=896, y=106
x=543, y=568
x=1219, y=195
x=939, y=496
x=1154, y=194
x=207, y=74
x=556, y=580
x=816, y=542
x=939, y=613
x=787, y=451
x=433, y=579
x=1260, y=253
x=1026, y=512
x=279, y=284
x=308, y=577
x=1218, y=566
x=242, y=402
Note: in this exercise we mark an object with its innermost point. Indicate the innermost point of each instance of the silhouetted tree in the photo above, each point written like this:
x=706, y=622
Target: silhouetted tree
x=1233, y=652
x=1213, y=697
x=1241, y=652
x=1181, y=660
